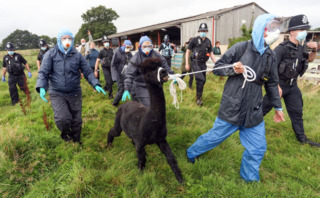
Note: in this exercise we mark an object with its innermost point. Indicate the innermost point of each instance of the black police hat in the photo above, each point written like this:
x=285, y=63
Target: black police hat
x=166, y=37
x=42, y=43
x=203, y=27
x=105, y=39
x=299, y=22
x=9, y=46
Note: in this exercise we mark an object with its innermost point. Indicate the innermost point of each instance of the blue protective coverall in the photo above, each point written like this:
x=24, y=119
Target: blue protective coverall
x=241, y=109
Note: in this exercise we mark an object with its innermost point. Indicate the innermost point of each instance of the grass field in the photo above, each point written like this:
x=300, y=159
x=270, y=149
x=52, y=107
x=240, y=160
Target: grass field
x=35, y=162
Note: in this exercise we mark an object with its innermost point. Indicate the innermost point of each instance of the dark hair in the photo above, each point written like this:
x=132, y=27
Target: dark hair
x=217, y=42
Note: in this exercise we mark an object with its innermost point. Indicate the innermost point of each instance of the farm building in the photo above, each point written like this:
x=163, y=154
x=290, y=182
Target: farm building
x=222, y=24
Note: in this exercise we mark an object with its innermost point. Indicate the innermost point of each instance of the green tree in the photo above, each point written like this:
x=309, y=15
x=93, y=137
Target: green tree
x=99, y=20
x=316, y=29
x=246, y=35
x=22, y=39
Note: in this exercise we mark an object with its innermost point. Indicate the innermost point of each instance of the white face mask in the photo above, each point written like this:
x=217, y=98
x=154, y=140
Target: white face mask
x=43, y=48
x=127, y=50
x=272, y=37
x=66, y=43
x=83, y=43
x=147, y=50
x=106, y=44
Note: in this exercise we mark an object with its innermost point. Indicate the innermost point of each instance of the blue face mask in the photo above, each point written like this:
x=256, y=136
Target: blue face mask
x=301, y=35
x=43, y=48
x=203, y=34
x=10, y=53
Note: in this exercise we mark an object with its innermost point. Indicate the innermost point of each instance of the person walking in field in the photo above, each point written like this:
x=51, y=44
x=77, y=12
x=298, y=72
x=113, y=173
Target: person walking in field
x=14, y=64
x=293, y=59
x=60, y=75
x=241, y=107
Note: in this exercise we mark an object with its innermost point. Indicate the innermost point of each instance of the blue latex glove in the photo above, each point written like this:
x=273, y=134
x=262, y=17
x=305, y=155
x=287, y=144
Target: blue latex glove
x=175, y=80
x=42, y=94
x=3, y=79
x=29, y=74
x=125, y=95
x=99, y=89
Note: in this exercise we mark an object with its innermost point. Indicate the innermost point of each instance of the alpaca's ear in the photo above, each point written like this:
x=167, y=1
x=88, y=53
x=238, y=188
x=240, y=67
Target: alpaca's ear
x=151, y=63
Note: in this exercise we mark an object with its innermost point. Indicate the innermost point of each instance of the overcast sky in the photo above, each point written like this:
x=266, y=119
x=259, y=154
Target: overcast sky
x=48, y=17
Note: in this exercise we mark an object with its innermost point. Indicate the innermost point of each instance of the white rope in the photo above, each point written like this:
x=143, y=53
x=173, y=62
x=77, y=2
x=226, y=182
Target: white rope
x=248, y=75
x=158, y=75
x=172, y=88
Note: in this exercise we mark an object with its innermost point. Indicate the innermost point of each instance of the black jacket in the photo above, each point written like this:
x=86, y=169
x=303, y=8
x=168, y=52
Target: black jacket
x=134, y=76
x=60, y=73
x=41, y=54
x=119, y=59
x=243, y=107
x=105, y=56
x=14, y=64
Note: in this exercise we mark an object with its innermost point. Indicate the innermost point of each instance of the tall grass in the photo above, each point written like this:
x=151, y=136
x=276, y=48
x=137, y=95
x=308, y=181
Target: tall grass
x=35, y=162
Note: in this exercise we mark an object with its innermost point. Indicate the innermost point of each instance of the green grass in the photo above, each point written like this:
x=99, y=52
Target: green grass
x=35, y=162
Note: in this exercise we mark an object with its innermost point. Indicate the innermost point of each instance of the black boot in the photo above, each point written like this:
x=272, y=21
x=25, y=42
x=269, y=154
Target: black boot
x=306, y=141
x=199, y=101
x=313, y=143
x=110, y=96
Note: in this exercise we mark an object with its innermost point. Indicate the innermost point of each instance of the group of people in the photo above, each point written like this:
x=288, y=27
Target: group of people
x=241, y=108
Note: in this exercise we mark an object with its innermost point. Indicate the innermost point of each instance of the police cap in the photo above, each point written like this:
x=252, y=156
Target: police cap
x=9, y=46
x=105, y=39
x=42, y=43
x=203, y=27
x=298, y=22
x=166, y=37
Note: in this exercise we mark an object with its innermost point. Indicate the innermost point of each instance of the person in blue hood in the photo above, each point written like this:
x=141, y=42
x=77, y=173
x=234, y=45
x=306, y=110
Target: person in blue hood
x=134, y=79
x=60, y=75
x=119, y=64
x=241, y=108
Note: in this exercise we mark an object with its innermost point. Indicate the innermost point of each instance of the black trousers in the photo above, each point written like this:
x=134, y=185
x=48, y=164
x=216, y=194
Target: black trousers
x=67, y=115
x=191, y=76
x=168, y=60
x=120, y=84
x=13, y=81
x=108, y=78
x=200, y=77
x=293, y=99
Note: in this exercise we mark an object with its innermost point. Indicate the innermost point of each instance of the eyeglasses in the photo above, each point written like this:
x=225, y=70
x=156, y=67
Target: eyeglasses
x=66, y=38
x=273, y=25
x=147, y=46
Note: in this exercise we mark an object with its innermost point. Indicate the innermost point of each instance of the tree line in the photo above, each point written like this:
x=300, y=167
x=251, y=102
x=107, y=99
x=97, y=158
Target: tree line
x=99, y=20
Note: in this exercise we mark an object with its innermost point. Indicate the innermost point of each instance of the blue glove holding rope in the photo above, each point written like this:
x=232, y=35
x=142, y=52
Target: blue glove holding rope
x=29, y=74
x=99, y=89
x=125, y=95
x=42, y=94
x=3, y=79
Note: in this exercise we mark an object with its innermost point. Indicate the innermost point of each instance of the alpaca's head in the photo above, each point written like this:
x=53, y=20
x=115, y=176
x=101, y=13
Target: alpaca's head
x=151, y=69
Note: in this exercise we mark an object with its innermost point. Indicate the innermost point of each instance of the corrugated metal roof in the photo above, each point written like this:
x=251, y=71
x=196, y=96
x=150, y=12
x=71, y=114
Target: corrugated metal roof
x=182, y=20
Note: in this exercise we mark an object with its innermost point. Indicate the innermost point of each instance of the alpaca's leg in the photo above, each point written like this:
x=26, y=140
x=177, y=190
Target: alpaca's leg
x=166, y=150
x=114, y=131
x=141, y=154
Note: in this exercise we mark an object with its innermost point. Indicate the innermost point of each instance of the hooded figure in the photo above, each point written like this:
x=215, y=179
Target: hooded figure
x=119, y=65
x=134, y=78
x=60, y=75
x=241, y=108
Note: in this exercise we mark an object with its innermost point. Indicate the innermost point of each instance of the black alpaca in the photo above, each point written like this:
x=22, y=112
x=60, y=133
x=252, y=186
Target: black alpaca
x=147, y=125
